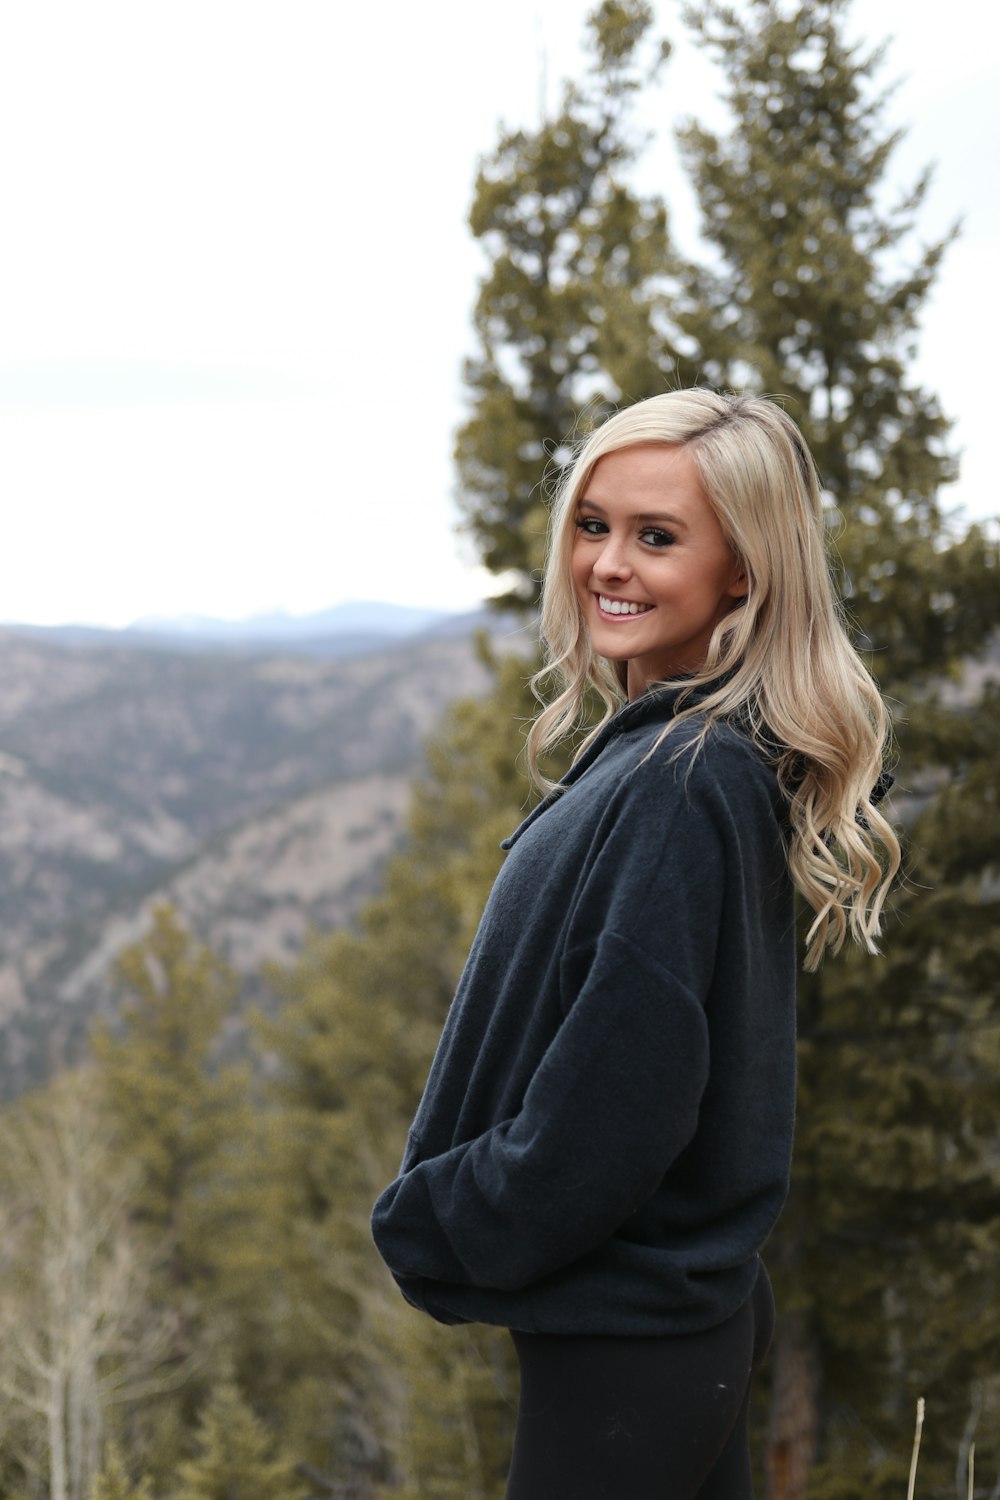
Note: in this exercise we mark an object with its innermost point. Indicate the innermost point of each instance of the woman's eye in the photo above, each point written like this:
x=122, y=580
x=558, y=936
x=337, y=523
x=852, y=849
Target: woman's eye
x=654, y=537
x=591, y=526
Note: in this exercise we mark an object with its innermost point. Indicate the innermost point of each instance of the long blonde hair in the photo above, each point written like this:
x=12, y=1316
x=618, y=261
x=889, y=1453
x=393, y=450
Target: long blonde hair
x=783, y=667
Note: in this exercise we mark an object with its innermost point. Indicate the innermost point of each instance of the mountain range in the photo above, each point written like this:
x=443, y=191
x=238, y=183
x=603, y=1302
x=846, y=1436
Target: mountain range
x=344, y=630
x=260, y=790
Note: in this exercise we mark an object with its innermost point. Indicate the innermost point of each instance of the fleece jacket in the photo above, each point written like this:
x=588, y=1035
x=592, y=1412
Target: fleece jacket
x=604, y=1140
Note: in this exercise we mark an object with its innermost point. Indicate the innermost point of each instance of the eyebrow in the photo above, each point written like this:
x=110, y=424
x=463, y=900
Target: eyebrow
x=662, y=517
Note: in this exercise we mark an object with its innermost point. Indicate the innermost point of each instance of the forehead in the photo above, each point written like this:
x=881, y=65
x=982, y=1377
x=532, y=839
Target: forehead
x=646, y=472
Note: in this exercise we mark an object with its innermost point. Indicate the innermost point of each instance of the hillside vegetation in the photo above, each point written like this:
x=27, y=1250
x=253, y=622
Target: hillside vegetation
x=258, y=794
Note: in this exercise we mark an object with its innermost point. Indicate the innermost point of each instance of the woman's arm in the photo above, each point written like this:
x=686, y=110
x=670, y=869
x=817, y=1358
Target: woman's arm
x=613, y=1103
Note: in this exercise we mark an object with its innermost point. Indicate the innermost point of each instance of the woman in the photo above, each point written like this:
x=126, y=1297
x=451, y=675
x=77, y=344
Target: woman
x=603, y=1145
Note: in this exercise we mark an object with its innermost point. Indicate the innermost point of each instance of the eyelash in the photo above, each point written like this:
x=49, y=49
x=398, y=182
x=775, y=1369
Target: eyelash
x=664, y=538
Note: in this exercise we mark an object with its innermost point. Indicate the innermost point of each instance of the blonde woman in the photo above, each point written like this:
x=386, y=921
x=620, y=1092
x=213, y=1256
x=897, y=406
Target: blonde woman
x=604, y=1141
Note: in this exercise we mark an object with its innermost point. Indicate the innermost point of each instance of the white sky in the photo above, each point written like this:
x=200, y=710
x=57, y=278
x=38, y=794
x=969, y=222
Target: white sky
x=236, y=280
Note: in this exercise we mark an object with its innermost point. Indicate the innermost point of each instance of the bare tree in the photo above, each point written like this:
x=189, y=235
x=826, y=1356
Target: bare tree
x=77, y=1334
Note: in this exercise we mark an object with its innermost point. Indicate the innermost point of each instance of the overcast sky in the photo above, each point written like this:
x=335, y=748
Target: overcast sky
x=235, y=281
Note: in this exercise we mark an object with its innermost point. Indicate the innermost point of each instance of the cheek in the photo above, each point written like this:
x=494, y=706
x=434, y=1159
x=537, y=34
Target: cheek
x=579, y=567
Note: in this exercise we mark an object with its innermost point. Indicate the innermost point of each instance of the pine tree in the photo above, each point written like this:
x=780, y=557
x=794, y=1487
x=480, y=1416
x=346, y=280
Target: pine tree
x=811, y=297
x=570, y=316
x=360, y=1018
x=166, y=1098
x=896, y=1212
x=182, y=1121
x=113, y=1482
x=362, y=1010
x=460, y=1396
x=236, y=1458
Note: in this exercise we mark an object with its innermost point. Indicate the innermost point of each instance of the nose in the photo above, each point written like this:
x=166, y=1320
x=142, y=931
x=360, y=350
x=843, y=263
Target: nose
x=612, y=560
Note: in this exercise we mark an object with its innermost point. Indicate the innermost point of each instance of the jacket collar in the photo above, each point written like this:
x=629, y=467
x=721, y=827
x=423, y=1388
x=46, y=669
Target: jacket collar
x=657, y=705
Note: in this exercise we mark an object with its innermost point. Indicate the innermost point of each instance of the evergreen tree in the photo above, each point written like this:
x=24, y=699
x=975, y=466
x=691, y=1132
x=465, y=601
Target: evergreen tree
x=169, y=1104
x=570, y=316
x=895, y=1219
x=113, y=1482
x=361, y=1016
x=459, y=1399
x=362, y=1010
x=236, y=1457
x=811, y=298
x=182, y=1121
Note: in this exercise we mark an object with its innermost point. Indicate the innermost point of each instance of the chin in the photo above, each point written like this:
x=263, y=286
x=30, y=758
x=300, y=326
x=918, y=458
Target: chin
x=616, y=658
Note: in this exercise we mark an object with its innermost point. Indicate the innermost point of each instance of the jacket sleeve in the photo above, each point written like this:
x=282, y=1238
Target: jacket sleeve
x=613, y=1102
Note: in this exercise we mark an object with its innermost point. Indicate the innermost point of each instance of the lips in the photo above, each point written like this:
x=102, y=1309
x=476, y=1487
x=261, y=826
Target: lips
x=621, y=608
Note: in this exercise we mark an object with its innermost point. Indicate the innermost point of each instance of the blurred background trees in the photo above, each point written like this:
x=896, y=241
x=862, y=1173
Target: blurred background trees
x=187, y=1265
x=572, y=313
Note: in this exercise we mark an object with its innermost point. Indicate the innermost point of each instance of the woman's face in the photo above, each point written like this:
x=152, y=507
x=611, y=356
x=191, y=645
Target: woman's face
x=652, y=569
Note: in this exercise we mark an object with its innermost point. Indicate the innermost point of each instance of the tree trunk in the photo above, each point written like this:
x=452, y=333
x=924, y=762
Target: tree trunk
x=57, y=1436
x=793, y=1426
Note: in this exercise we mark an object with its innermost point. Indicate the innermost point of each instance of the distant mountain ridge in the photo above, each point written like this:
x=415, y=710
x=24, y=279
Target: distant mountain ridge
x=343, y=630
x=355, y=616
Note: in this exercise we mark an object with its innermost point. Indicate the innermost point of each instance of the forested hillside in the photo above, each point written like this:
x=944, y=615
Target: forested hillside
x=258, y=793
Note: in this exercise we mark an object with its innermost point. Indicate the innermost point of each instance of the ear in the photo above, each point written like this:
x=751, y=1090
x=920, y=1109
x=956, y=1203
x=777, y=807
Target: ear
x=739, y=585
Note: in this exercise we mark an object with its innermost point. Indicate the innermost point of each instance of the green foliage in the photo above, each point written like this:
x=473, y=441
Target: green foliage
x=457, y=1414
x=887, y=1246
x=161, y=1089
x=236, y=1457
x=361, y=1016
x=897, y=1200
x=571, y=316
x=113, y=1482
x=812, y=298
x=183, y=1123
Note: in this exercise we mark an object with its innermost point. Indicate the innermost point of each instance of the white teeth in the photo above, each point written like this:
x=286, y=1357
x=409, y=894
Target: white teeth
x=621, y=606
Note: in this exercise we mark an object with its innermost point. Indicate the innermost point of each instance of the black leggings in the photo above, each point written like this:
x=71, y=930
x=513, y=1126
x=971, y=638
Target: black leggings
x=639, y=1418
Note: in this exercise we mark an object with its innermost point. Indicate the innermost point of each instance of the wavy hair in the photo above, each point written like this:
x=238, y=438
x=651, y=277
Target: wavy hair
x=779, y=664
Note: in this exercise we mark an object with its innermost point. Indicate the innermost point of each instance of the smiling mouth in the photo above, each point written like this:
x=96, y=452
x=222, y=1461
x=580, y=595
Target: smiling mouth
x=621, y=607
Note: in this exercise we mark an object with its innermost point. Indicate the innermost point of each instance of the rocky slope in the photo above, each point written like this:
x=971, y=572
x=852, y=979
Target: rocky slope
x=259, y=793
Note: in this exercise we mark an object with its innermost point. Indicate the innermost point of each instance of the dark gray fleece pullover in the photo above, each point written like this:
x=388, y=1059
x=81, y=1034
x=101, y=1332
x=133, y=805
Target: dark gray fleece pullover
x=604, y=1141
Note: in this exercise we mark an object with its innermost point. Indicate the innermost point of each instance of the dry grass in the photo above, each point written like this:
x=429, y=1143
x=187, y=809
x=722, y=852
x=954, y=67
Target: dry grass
x=916, y=1449
x=971, y=1469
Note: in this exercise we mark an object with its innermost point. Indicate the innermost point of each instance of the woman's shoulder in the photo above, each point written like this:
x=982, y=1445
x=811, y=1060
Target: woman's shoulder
x=698, y=765
x=695, y=746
